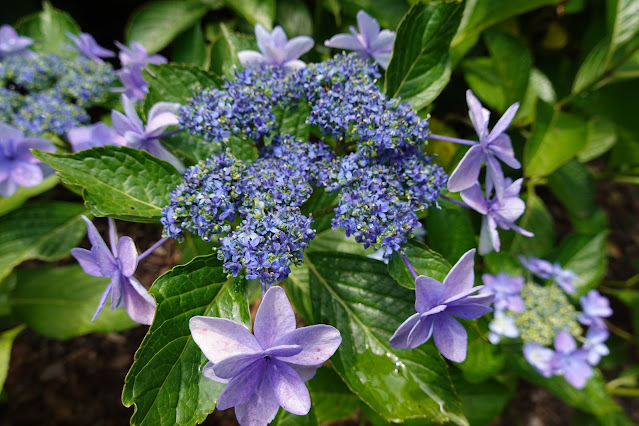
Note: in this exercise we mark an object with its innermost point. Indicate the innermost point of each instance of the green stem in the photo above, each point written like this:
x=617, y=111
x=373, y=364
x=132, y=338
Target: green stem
x=630, y=392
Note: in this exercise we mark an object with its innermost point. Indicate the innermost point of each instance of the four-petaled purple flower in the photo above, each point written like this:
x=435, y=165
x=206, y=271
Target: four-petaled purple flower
x=369, y=42
x=507, y=291
x=11, y=43
x=90, y=48
x=595, y=307
x=436, y=303
x=18, y=167
x=498, y=212
x=137, y=55
x=546, y=270
x=267, y=370
x=539, y=357
x=139, y=136
x=276, y=49
x=119, y=263
x=491, y=144
x=570, y=362
x=594, y=344
x=98, y=134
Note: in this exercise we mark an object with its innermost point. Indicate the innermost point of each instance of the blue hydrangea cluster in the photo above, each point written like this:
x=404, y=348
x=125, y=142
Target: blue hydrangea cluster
x=49, y=93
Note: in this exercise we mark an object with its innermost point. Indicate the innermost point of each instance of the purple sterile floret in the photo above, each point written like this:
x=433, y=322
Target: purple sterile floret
x=507, y=291
x=502, y=325
x=570, y=362
x=86, y=45
x=18, y=167
x=369, y=41
x=436, y=303
x=492, y=145
x=130, y=126
x=276, y=49
x=268, y=369
x=98, y=134
x=546, y=270
x=594, y=307
x=119, y=263
x=539, y=357
x=136, y=55
x=594, y=344
x=13, y=44
x=498, y=212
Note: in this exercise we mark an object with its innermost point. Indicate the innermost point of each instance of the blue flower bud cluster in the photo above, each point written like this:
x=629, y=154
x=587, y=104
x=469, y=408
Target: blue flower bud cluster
x=49, y=93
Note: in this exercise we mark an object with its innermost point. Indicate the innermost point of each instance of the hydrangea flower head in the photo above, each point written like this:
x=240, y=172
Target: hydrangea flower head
x=369, y=41
x=499, y=212
x=130, y=126
x=11, y=43
x=119, y=263
x=98, y=134
x=18, y=167
x=276, y=49
x=492, y=145
x=546, y=270
x=436, y=303
x=90, y=48
x=268, y=369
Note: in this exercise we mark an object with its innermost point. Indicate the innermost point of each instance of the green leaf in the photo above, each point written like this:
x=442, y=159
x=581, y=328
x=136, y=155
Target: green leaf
x=497, y=262
x=299, y=292
x=585, y=255
x=359, y=298
x=336, y=240
x=284, y=418
x=482, y=402
x=593, y=67
x=48, y=30
x=44, y=231
x=483, y=360
x=190, y=47
x=331, y=398
x=294, y=123
x=157, y=23
x=120, y=182
x=176, y=83
x=59, y=302
x=224, y=51
x=165, y=382
x=485, y=83
x=8, y=204
x=294, y=17
x=420, y=68
x=321, y=206
x=387, y=12
x=424, y=261
x=602, y=135
x=255, y=11
x=593, y=398
x=623, y=21
x=512, y=62
x=449, y=232
x=536, y=219
x=6, y=343
x=556, y=138
x=573, y=186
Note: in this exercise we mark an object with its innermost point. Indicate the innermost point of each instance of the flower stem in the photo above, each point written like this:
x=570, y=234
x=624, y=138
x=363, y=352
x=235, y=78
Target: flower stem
x=152, y=248
x=454, y=201
x=449, y=139
x=410, y=267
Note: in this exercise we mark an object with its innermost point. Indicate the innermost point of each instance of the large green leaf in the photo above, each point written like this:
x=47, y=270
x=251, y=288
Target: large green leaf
x=165, y=382
x=24, y=193
x=48, y=29
x=224, y=51
x=176, y=83
x=190, y=47
x=602, y=135
x=482, y=402
x=59, y=302
x=6, y=343
x=45, y=231
x=357, y=296
x=556, y=138
x=387, y=12
x=284, y=418
x=157, y=23
x=623, y=20
x=425, y=262
x=420, y=67
x=449, y=231
x=593, y=67
x=573, y=186
x=255, y=11
x=120, y=182
x=585, y=255
x=538, y=220
x=331, y=398
x=294, y=17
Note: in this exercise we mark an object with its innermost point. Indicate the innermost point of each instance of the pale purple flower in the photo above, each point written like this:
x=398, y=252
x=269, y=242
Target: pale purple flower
x=369, y=41
x=594, y=307
x=18, y=167
x=276, y=49
x=98, y=134
x=507, y=291
x=594, y=344
x=137, y=56
x=86, y=45
x=137, y=135
x=267, y=370
x=134, y=85
x=119, y=263
x=436, y=303
x=502, y=325
x=491, y=145
x=570, y=362
x=11, y=43
x=546, y=270
x=498, y=212
x=539, y=357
